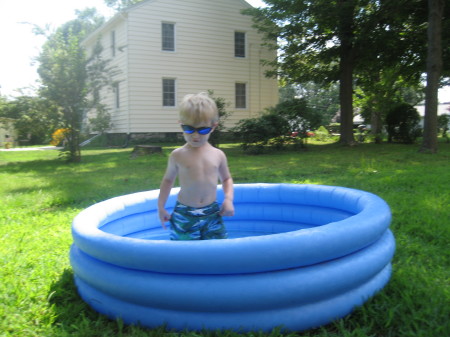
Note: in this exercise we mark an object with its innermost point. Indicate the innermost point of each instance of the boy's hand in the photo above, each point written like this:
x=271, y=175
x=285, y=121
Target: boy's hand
x=164, y=217
x=227, y=208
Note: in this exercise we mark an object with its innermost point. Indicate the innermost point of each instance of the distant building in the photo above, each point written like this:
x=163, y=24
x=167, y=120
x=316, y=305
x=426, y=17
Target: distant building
x=8, y=134
x=443, y=108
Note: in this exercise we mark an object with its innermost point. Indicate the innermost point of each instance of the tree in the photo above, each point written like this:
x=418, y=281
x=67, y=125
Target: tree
x=379, y=91
x=402, y=122
x=323, y=99
x=367, y=43
x=400, y=58
x=64, y=75
x=100, y=74
x=222, y=106
x=443, y=124
x=288, y=122
x=120, y=5
x=319, y=41
x=434, y=69
x=35, y=118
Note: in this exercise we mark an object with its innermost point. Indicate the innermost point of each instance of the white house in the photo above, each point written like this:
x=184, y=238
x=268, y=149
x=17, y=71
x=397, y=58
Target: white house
x=165, y=49
x=442, y=109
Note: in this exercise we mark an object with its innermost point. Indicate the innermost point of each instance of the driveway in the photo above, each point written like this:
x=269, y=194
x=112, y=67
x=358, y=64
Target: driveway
x=42, y=148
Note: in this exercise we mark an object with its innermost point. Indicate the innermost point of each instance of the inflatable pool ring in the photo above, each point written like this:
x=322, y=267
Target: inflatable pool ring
x=298, y=256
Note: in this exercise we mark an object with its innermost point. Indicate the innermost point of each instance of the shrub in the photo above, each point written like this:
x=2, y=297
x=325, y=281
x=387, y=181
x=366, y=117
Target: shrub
x=321, y=134
x=222, y=105
x=334, y=128
x=299, y=117
x=257, y=132
x=275, y=127
x=443, y=122
x=59, y=136
x=102, y=121
x=402, y=123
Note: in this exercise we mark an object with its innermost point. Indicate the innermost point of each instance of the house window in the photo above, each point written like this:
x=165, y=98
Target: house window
x=241, y=96
x=116, y=95
x=239, y=44
x=168, y=86
x=113, y=43
x=168, y=36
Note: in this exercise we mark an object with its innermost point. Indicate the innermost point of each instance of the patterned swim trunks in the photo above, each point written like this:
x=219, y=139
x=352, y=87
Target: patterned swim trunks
x=191, y=223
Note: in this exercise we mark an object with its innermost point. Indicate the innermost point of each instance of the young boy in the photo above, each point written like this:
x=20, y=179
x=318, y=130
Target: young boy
x=199, y=166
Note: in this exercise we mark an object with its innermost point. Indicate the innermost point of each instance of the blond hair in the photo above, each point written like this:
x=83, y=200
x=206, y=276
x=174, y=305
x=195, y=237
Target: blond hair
x=198, y=108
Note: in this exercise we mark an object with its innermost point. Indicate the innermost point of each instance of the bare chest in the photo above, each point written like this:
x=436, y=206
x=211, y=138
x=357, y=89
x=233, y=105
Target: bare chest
x=198, y=168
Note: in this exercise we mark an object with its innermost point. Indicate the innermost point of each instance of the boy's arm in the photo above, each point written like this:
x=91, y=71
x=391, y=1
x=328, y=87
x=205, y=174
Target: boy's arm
x=227, y=208
x=164, y=190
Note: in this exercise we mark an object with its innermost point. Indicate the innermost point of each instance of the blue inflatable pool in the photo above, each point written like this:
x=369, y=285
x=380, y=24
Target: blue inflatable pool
x=298, y=256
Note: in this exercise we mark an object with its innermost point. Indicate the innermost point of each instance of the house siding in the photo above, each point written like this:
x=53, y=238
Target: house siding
x=203, y=60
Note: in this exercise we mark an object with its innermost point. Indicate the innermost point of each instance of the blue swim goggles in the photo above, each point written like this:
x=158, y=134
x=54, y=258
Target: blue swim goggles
x=201, y=131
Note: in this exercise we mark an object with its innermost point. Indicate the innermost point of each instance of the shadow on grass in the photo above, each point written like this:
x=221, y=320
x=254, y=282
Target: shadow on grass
x=100, y=176
x=74, y=317
x=66, y=302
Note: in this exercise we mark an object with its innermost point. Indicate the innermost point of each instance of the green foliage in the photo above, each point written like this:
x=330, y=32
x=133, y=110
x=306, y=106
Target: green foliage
x=321, y=100
x=63, y=74
x=257, y=132
x=222, y=105
x=102, y=120
x=121, y=5
x=380, y=89
x=276, y=127
x=443, y=124
x=318, y=41
x=402, y=122
x=322, y=134
x=35, y=118
x=99, y=75
x=380, y=44
x=68, y=77
x=286, y=91
x=40, y=198
x=321, y=97
x=298, y=115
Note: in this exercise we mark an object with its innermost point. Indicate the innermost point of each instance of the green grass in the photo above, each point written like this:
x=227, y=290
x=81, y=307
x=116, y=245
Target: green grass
x=40, y=195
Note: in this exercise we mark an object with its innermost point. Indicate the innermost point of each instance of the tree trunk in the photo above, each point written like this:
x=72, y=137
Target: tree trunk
x=376, y=124
x=346, y=65
x=73, y=139
x=434, y=68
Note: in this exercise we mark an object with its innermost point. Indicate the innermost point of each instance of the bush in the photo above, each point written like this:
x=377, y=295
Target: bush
x=334, y=128
x=443, y=122
x=59, y=136
x=322, y=134
x=257, y=132
x=222, y=105
x=299, y=117
x=276, y=127
x=402, y=123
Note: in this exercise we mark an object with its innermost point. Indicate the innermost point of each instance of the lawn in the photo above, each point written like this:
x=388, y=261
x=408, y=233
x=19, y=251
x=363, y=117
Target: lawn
x=40, y=196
